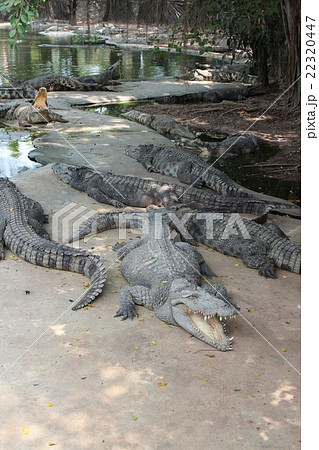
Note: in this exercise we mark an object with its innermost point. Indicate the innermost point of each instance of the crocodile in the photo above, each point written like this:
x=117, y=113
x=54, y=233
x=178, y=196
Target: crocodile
x=63, y=83
x=190, y=169
x=227, y=74
x=186, y=166
x=23, y=233
x=119, y=190
x=10, y=93
x=30, y=114
x=260, y=247
x=164, y=277
x=215, y=95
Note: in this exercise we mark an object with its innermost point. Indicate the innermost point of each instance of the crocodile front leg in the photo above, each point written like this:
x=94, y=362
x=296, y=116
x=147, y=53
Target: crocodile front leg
x=124, y=249
x=34, y=210
x=193, y=253
x=39, y=229
x=255, y=256
x=218, y=290
x=147, y=162
x=275, y=229
x=98, y=195
x=138, y=295
x=184, y=174
x=54, y=117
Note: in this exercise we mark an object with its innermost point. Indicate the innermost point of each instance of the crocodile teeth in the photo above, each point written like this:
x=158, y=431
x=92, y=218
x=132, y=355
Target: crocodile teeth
x=231, y=338
x=205, y=318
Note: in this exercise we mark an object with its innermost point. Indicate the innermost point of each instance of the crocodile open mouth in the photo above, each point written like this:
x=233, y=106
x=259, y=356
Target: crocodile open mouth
x=212, y=327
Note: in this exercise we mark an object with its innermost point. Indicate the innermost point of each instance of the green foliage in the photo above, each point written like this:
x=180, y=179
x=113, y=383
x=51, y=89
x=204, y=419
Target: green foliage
x=81, y=39
x=13, y=146
x=21, y=13
x=254, y=26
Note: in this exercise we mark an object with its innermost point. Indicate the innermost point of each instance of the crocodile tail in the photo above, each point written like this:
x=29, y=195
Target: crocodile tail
x=226, y=204
x=94, y=225
x=108, y=221
x=262, y=207
x=231, y=205
x=287, y=255
x=94, y=269
x=41, y=252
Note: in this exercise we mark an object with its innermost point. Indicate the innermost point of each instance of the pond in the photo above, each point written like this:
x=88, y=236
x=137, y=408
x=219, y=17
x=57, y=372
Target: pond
x=243, y=171
x=40, y=55
x=14, y=149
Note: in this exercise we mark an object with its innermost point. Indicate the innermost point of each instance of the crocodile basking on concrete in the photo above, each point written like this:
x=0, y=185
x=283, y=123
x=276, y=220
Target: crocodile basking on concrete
x=63, y=83
x=119, y=190
x=186, y=166
x=30, y=114
x=10, y=93
x=190, y=169
x=260, y=247
x=164, y=277
x=22, y=232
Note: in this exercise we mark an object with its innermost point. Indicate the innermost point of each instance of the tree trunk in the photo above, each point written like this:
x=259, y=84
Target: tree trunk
x=73, y=6
x=88, y=18
x=291, y=22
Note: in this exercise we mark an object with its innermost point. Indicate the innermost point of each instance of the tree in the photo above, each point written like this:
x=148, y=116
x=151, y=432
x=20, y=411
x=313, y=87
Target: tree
x=267, y=30
x=21, y=13
x=291, y=23
x=73, y=5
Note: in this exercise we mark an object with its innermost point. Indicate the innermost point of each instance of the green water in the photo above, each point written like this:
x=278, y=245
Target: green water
x=252, y=178
x=14, y=149
x=40, y=55
x=235, y=168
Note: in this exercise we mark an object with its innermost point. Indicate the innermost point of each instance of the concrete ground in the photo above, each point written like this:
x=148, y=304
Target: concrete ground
x=85, y=380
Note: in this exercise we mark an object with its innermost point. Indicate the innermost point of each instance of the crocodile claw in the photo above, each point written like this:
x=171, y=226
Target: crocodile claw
x=128, y=312
x=117, y=246
x=198, y=183
x=267, y=271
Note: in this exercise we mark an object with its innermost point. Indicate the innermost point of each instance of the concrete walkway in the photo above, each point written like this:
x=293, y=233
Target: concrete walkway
x=99, y=139
x=85, y=380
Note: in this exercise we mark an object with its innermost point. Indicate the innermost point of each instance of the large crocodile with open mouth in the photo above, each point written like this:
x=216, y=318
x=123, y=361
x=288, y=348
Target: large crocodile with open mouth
x=60, y=83
x=119, y=190
x=22, y=232
x=164, y=277
x=31, y=114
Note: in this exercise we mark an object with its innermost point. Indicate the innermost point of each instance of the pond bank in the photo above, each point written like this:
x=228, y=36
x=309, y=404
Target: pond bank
x=100, y=140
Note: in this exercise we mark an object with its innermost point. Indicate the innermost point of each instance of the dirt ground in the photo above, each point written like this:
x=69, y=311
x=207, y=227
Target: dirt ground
x=272, y=122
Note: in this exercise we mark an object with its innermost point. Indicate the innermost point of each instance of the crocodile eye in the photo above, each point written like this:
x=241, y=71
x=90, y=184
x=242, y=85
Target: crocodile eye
x=190, y=295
